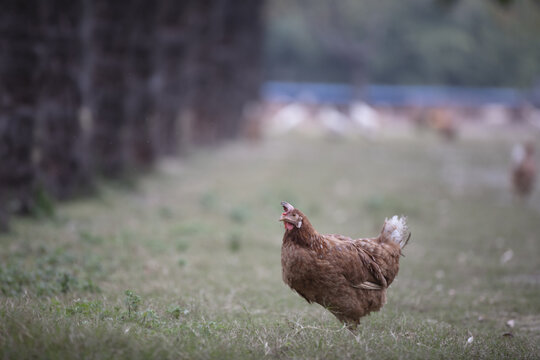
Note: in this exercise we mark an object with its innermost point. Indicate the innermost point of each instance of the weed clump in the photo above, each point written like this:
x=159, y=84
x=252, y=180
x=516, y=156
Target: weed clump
x=54, y=273
x=234, y=242
x=132, y=302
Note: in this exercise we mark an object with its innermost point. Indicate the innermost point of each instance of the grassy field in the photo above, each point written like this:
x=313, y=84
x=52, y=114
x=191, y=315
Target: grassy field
x=186, y=262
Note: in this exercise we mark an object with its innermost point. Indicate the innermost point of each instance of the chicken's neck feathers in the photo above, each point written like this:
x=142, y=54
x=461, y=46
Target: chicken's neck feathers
x=305, y=236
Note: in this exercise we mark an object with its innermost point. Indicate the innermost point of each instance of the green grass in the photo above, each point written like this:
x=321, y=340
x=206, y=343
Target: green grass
x=186, y=263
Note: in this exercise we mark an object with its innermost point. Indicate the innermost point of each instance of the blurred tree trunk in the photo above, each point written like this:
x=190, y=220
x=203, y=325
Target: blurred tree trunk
x=107, y=88
x=61, y=166
x=139, y=68
x=209, y=56
x=19, y=29
x=172, y=31
x=229, y=56
x=244, y=32
x=207, y=17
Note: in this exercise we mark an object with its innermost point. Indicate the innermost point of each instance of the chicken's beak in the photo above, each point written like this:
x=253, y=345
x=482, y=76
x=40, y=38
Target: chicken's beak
x=286, y=209
x=286, y=206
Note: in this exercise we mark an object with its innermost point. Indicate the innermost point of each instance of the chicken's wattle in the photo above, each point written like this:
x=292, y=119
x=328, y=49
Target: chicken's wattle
x=288, y=226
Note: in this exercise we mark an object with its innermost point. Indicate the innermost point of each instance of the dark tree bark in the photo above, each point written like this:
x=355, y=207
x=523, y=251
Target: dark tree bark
x=108, y=41
x=203, y=57
x=139, y=68
x=19, y=25
x=61, y=165
x=245, y=26
x=171, y=84
x=208, y=69
x=229, y=56
x=207, y=18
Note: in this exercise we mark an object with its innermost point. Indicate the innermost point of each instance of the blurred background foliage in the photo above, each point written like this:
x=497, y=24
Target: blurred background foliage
x=463, y=43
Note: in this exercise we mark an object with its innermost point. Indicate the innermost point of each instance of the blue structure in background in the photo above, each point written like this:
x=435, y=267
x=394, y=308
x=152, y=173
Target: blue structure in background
x=394, y=95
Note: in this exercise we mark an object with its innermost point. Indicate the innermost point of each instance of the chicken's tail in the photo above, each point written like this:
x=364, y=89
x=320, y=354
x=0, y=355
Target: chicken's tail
x=395, y=229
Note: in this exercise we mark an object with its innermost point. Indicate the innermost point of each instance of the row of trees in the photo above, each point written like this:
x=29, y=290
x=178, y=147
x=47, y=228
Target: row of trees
x=454, y=42
x=99, y=88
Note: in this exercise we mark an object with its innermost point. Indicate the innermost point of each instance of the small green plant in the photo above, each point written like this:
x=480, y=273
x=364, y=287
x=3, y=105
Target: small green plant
x=132, y=302
x=176, y=311
x=65, y=280
x=181, y=262
x=149, y=318
x=43, y=204
x=235, y=242
x=165, y=212
x=187, y=229
x=182, y=245
x=208, y=200
x=90, y=238
x=239, y=215
x=84, y=307
x=90, y=286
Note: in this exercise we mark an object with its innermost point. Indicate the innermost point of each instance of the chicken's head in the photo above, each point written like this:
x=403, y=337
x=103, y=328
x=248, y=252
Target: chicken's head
x=291, y=217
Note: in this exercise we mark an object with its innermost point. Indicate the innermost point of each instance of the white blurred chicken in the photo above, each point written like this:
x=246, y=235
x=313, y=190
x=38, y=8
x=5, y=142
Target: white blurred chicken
x=366, y=118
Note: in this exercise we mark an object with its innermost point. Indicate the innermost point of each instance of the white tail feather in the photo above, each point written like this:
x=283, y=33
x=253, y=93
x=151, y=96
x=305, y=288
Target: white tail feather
x=518, y=154
x=395, y=229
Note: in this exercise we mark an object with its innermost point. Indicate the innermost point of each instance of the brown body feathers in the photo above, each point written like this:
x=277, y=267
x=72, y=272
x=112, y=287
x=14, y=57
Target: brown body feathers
x=349, y=277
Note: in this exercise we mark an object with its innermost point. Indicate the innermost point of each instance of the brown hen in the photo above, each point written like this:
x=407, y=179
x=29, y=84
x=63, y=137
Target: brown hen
x=524, y=171
x=349, y=277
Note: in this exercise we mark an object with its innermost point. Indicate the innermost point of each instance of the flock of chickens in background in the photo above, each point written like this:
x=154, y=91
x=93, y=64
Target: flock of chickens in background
x=361, y=120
